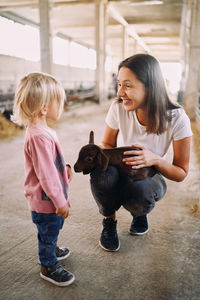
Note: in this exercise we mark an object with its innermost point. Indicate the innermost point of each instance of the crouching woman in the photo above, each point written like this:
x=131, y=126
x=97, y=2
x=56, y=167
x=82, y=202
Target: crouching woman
x=143, y=117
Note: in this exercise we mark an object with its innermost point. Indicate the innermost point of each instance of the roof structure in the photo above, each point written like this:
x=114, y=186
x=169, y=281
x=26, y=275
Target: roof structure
x=155, y=25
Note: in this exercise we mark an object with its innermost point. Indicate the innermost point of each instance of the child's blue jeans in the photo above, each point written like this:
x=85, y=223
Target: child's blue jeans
x=48, y=226
x=110, y=191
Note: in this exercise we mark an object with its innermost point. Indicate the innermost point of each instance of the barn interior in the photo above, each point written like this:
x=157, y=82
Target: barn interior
x=81, y=43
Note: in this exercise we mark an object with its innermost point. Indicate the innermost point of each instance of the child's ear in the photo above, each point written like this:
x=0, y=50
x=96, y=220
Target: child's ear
x=43, y=111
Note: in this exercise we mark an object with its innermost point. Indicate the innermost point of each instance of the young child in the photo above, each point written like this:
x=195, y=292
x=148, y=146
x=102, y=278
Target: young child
x=40, y=97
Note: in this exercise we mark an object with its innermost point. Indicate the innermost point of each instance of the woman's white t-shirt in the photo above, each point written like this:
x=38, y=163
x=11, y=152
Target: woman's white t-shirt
x=132, y=132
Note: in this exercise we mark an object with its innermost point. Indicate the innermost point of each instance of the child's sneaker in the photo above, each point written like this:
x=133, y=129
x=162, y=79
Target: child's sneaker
x=57, y=275
x=62, y=253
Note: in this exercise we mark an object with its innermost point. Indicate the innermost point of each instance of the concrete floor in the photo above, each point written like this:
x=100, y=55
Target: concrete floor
x=163, y=264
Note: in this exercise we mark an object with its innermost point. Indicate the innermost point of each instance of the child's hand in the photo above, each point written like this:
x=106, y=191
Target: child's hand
x=69, y=172
x=63, y=211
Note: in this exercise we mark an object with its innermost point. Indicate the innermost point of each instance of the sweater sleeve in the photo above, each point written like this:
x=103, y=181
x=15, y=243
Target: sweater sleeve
x=42, y=151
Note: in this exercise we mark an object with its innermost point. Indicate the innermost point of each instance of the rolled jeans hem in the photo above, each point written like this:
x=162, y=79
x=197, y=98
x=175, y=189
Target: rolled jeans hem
x=48, y=226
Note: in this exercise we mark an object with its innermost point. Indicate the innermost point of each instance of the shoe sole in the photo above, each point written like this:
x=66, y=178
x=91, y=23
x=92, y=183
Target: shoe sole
x=63, y=257
x=58, y=258
x=57, y=283
x=138, y=233
x=109, y=250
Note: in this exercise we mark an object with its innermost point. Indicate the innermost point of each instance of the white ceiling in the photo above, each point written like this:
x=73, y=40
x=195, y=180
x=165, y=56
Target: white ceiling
x=157, y=23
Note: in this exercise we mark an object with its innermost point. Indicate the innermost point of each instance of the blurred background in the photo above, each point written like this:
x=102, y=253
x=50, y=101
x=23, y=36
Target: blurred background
x=81, y=43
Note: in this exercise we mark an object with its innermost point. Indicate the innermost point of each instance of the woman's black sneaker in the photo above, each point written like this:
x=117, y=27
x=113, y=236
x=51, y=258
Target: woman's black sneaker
x=139, y=225
x=57, y=275
x=109, y=239
x=62, y=253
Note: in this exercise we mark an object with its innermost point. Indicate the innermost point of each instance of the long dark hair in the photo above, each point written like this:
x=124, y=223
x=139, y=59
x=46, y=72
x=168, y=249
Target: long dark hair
x=147, y=70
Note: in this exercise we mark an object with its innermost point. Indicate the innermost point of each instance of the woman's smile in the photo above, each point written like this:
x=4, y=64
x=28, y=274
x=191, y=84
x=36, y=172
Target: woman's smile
x=126, y=101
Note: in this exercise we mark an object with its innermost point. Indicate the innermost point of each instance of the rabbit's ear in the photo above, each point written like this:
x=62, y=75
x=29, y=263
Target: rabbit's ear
x=102, y=160
x=91, y=138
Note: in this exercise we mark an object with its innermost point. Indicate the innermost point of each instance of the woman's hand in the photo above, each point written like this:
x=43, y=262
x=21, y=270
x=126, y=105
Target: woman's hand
x=63, y=211
x=142, y=158
x=69, y=172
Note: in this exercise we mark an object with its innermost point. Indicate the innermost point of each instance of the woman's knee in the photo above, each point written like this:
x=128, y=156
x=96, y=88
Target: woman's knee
x=139, y=203
x=159, y=186
x=141, y=196
x=139, y=208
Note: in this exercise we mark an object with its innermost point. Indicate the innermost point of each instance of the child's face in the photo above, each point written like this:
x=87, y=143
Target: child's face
x=53, y=110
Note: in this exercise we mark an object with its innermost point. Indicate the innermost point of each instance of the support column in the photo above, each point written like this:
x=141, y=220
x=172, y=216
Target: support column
x=45, y=8
x=184, y=40
x=100, y=12
x=193, y=63
x=125, y=43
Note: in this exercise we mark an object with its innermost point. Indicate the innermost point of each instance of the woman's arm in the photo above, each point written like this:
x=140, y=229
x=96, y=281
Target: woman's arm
x=110, y=137
x=176, y=171
x=69, y=172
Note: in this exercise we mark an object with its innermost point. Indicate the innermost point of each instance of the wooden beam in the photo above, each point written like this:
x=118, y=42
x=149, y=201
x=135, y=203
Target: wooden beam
x=17, y=3
x=75, y=26
x=114, y=13
x=61, y=3
x=18, y=18
x=5, y=5
x=160, y=35
x=141, y=21
x=116, y=23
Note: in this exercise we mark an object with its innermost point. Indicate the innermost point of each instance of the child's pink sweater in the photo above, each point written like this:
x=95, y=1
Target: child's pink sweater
x=46, y=181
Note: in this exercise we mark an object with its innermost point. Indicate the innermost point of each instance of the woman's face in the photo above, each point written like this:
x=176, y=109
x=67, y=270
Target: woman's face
x=131, y=90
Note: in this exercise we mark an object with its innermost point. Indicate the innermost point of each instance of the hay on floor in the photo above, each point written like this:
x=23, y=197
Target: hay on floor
x=7, y=128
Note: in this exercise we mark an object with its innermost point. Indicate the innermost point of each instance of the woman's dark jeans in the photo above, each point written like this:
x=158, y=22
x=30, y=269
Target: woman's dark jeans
x=110, y=191
x=48, y=226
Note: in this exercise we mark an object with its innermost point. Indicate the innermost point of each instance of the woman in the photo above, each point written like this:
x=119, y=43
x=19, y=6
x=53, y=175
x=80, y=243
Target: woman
x=143, y=117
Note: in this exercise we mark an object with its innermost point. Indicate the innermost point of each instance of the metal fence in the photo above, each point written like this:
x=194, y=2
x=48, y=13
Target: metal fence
x=7, y=90
x=75, y=92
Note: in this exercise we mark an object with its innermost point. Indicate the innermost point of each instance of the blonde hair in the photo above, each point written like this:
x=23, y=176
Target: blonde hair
x=35, y=91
